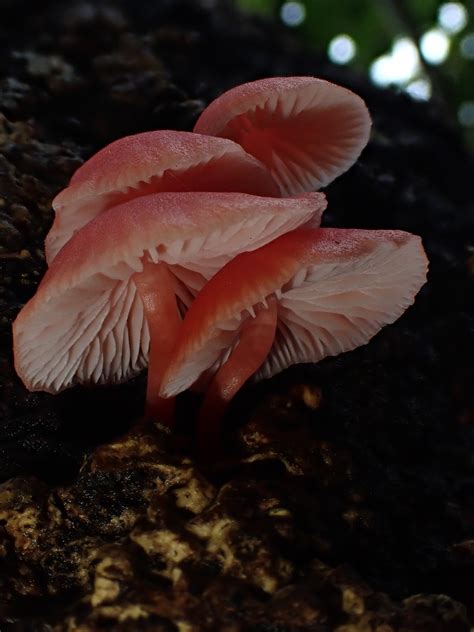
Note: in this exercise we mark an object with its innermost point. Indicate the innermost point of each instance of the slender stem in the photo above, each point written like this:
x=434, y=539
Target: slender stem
x=256, y=340
x=156, y=286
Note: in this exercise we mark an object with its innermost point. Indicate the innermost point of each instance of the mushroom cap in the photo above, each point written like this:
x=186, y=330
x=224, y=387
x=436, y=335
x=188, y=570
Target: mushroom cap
x=151, y=162
x=86, y=322
x=335, y=289
x=306, y=131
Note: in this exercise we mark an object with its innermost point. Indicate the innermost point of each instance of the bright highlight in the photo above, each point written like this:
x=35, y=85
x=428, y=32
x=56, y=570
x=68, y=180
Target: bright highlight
x=342, y=49
x=397, y=67
x=434, y=46
x=452, y=17
x=293, y=13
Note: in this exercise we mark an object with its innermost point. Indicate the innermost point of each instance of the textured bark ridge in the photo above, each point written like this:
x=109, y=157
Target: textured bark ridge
x=344, y=497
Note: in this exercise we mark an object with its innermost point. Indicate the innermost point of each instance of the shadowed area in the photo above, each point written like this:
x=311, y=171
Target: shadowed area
x=345, y=496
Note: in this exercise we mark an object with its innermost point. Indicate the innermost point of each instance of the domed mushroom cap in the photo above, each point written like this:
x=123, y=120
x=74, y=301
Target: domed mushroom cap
x=334, y=290
x=307, y=131
x=86, y=323
x=151, y=162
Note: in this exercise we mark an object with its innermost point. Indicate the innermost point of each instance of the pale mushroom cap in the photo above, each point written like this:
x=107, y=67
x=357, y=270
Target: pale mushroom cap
x=151, y=162
x=86, y=322
x=306, y=131
x=334, y=288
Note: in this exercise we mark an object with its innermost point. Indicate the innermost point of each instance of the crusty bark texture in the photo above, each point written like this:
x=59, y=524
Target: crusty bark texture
x=343, y=497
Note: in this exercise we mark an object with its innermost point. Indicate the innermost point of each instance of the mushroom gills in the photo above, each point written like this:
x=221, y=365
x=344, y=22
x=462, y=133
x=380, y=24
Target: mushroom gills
x=300, y=154
x=306, y=131
x=77, y=358
x=210, y=175
x=333, y=307
x=180, y=180
x=335, y=289
x=223, y=172
x=201, y=368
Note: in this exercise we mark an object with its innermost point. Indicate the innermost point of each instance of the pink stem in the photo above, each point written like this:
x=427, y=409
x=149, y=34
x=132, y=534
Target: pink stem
x=156, y=287
x=256, y=340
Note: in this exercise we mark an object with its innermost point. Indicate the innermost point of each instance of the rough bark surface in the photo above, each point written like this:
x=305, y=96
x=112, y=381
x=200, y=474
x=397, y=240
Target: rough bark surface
x=345, y=500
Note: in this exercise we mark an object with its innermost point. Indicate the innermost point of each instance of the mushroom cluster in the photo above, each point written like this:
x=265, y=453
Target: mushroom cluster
x=200, y=254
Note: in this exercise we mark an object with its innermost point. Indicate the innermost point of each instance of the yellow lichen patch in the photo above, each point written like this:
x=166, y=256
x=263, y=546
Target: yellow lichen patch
x=172, y=475
x=366, y=623
x=163, y=542
x=352, y=602
x=312, y=396
x=166, y=545
x=136, y=446
x=279, y=512
x=244, y=557
x=216, y=533
x=105, y=589
x=132, y=611
x=308, y=394
x=72, y=626
x=272, y=507
x=23, y=527
x=271, y=582
x=21, y=516
x=111, y=574
x=293, y=467
x=195, y=496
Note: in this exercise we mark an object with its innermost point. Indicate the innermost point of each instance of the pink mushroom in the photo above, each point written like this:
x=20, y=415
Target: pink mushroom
x=307, y=295
x=111, y=300
x=306, y=131
x=149, y=163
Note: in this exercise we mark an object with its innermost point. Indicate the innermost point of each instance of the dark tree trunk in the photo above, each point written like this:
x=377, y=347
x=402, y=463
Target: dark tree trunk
x=346, y=497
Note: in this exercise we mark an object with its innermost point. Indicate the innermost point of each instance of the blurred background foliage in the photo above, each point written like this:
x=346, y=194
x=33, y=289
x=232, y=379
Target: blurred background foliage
x=422, y=47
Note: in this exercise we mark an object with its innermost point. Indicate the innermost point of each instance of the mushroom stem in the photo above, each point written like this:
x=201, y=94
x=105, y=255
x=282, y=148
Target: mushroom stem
x=256, y=340
x=156, y=287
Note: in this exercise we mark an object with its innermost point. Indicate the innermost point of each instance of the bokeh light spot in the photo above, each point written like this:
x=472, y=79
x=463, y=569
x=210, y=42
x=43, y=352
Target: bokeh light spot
x=466, y=114
x=452, y=17
x=434, y=46
x=397, y=67
x=342, y=49
x=467, y=46
x=293, y=13
x=420, y=89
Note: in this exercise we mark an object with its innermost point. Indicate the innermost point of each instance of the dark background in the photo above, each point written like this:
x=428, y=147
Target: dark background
x=378, y=480
x=426, y=46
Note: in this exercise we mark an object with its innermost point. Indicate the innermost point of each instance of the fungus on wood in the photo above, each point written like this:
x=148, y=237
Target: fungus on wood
x=112, y=300
x=128, y=259
x=306, y=295
x=163, y=160
x=306, y=131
